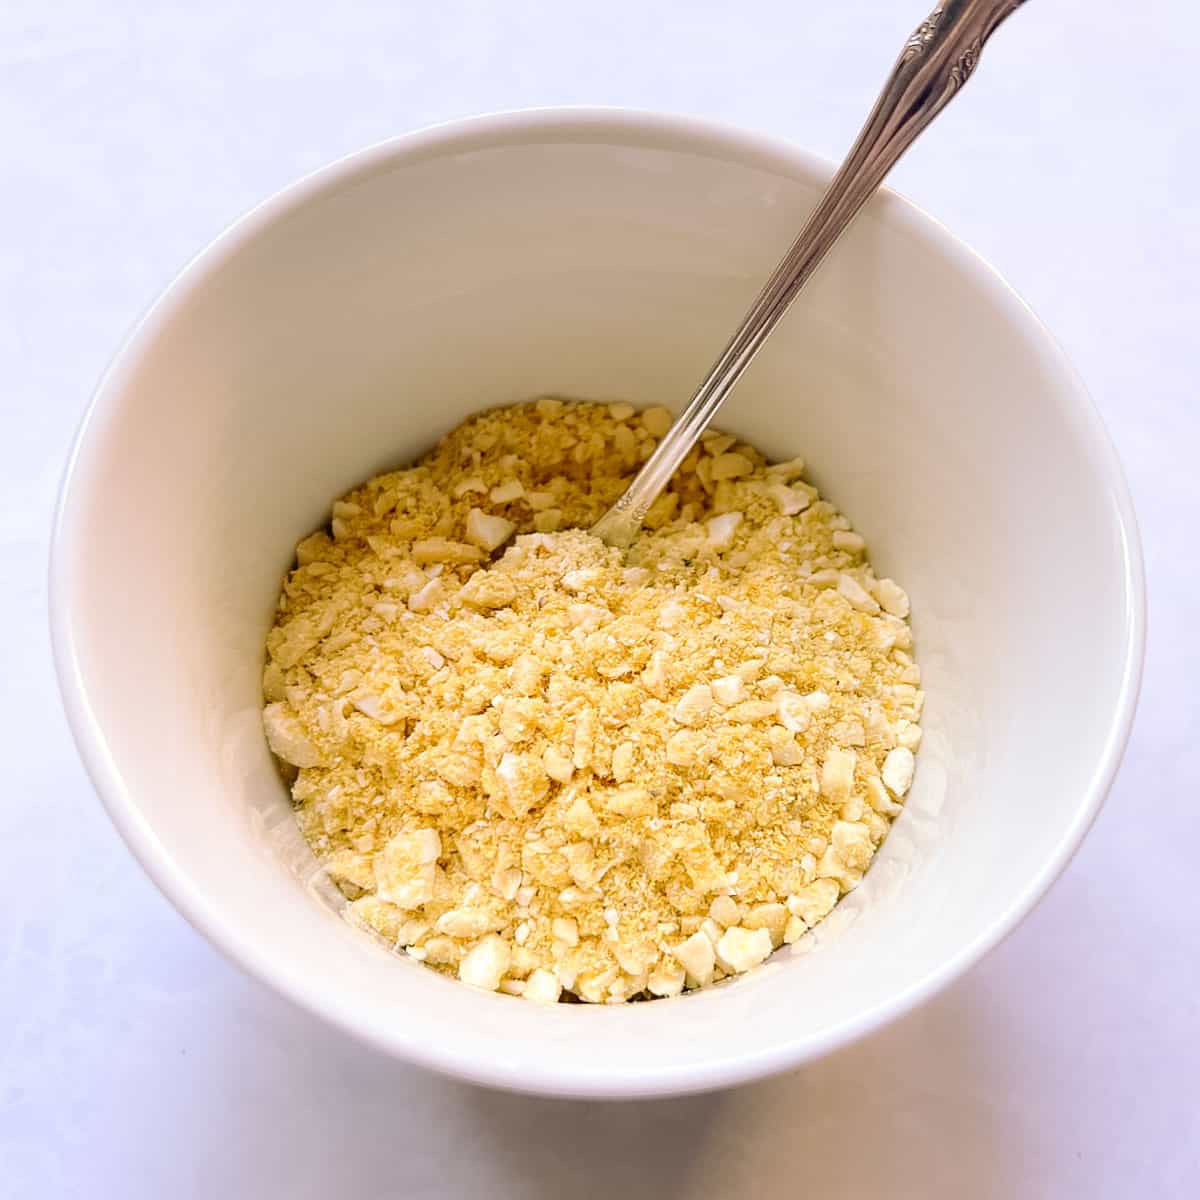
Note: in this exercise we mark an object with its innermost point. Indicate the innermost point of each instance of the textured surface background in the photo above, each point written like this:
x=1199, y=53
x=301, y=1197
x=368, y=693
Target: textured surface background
x=134, y=1061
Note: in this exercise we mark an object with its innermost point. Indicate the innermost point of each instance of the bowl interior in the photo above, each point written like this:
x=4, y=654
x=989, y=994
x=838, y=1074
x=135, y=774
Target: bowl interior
x=343, y=327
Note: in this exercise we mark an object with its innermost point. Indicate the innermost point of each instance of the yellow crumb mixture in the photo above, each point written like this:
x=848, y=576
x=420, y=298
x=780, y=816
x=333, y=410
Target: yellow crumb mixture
x=557, y=769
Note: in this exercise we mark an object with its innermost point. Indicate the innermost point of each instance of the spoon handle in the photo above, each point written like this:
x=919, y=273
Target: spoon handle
x=935, y=62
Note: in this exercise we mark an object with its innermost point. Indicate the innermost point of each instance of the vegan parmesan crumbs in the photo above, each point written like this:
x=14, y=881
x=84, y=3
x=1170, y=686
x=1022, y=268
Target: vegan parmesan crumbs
x=560, y=770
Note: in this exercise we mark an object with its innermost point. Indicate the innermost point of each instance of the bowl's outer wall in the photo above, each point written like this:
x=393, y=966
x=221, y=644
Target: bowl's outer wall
x=346, y=325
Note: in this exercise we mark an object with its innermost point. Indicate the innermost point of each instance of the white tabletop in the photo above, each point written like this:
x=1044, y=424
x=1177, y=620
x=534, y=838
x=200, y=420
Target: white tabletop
x=136, y=1062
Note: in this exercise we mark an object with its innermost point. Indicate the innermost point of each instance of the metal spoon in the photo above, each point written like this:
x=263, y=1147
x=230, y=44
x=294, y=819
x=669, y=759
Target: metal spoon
x=935, y=62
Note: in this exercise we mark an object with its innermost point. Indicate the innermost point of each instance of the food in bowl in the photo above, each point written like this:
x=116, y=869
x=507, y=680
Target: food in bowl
x=577, y=772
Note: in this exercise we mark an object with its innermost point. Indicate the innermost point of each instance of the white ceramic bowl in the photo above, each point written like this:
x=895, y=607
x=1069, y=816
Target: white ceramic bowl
x=345, y=324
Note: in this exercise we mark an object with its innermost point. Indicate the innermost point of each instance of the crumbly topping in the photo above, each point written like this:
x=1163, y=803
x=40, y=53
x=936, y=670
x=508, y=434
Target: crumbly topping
x=575, y=771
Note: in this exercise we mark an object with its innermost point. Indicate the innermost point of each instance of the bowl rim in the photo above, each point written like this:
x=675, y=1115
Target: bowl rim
x=632, y=127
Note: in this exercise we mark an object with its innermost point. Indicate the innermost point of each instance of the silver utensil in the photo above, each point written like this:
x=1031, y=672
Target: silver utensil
x=935, y=62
